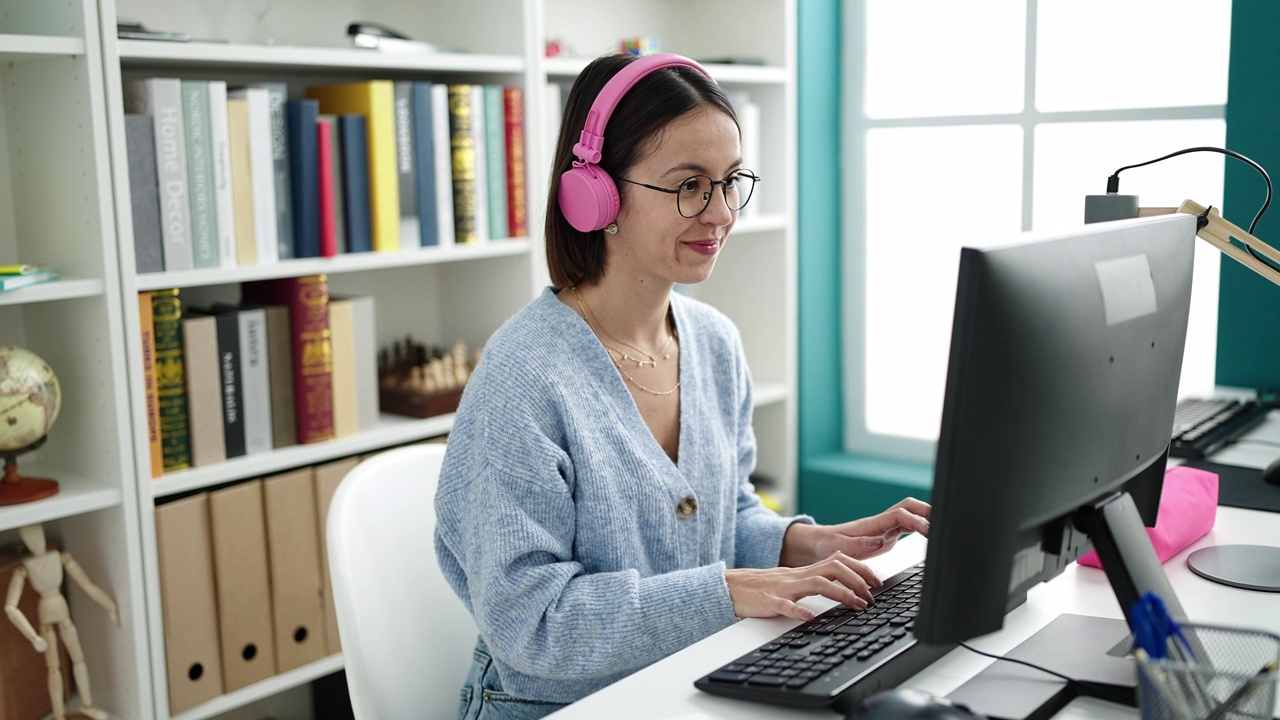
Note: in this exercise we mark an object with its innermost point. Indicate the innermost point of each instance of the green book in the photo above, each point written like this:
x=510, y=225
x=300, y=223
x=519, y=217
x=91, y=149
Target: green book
x=495, y=151
x=171, y=380
x=204, y=214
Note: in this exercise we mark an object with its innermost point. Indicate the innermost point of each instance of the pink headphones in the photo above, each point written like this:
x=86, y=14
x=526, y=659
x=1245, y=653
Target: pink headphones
x=587, y=195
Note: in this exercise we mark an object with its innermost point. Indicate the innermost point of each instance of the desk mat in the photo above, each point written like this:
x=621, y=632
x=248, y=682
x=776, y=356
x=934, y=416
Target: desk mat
x=1241, y=486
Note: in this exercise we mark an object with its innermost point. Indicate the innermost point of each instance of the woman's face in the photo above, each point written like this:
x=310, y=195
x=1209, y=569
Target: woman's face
x=654, y=242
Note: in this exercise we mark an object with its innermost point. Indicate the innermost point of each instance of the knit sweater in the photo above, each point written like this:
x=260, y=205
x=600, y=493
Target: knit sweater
x=559, y=521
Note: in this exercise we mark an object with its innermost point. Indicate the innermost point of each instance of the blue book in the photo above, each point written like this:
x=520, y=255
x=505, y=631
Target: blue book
x=304, y=176
x=354, y=132
x=425, y=162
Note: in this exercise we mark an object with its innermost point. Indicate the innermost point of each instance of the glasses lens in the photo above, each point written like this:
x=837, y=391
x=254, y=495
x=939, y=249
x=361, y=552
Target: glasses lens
x=738, y=188
x=695, y=195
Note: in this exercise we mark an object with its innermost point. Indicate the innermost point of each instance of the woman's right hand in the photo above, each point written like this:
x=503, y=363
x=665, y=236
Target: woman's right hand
x=775, y=591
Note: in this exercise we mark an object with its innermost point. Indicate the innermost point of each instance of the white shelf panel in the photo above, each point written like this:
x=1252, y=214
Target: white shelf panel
x=760, y=223
x=197, y=54
x=19, y=48
x=57, y=290
x=391, y=430
x=769, y=393
x=264, y=689
x=562, y=69
x=76, y=496
x=354, y=262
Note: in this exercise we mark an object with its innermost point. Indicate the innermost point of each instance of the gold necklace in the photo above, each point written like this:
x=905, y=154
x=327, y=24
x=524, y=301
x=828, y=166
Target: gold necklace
x=642, y=387
x=651, y=362
x=586, y=317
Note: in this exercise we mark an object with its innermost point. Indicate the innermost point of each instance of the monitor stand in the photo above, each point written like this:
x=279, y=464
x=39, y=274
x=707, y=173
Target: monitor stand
x=1091, y=649
x=1252, y=567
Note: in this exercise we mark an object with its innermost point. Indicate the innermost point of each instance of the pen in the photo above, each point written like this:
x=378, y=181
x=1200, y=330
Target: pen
x=1158, y=676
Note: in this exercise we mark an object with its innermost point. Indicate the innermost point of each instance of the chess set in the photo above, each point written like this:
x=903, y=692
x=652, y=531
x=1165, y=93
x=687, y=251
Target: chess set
x=422, y=381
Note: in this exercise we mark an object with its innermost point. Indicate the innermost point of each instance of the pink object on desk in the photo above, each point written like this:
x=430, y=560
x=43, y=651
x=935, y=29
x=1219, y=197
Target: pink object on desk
x=1188, y=507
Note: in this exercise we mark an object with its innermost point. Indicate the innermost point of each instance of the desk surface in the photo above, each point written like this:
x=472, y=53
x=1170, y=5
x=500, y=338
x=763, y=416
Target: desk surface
x=665, y=689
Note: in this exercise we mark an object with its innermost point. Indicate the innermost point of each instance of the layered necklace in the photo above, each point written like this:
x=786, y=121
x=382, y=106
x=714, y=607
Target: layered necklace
x=645, y=358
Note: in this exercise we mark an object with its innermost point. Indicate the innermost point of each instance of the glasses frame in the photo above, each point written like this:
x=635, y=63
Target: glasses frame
x=741, y=173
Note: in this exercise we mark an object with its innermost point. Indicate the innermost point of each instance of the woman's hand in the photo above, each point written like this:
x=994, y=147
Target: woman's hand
x=774, y=591
x=805, y=544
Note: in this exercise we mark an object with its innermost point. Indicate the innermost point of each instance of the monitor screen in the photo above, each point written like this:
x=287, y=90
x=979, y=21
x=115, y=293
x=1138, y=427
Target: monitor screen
x=1062, y=382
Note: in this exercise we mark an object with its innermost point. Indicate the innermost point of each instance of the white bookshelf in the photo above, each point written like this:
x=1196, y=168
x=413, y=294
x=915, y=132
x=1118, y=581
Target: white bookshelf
x=65, y=197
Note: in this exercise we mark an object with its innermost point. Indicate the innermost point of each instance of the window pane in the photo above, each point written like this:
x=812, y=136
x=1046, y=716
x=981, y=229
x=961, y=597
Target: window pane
x=1074, y=159
x=923, y=58
x=1103, y=54
x=929, y=192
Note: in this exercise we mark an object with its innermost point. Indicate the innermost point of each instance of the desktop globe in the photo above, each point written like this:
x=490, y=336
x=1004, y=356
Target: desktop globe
x=30, y=398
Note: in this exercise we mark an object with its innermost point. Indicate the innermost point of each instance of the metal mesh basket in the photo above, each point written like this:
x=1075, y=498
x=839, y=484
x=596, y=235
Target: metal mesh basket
x=1230, y=673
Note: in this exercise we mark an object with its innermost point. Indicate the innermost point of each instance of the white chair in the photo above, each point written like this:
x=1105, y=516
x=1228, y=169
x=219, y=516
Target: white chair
x=406, y=638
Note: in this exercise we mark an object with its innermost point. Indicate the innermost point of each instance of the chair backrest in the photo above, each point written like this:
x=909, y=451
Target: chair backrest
x=406, y=638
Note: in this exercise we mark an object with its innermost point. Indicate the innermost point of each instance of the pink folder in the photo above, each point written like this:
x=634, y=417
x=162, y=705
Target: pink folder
x=1188, y=506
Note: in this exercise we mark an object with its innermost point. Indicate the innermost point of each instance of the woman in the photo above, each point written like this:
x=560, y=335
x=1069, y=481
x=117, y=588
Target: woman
x=595, y=513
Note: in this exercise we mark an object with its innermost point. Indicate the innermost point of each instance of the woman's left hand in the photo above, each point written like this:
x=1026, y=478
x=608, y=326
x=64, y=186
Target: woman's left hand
x=870, y=536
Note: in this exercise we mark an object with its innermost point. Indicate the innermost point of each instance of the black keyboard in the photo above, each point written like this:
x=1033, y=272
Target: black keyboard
x=1202, y=426
x=837, y=658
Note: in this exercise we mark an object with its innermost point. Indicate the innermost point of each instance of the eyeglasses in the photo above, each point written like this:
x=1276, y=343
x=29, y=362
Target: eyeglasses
x=694, y=194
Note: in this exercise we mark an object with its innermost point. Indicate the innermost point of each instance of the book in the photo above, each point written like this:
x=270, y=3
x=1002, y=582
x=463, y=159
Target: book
x=255, y=379
x=204, y=218
x=462, y=146
x=24, y=268
x=304, y=164
x=480, y=152
x=406, y=169
x=262, y=173
x=204, y=389
x=308, y=299
x=342, y=334
x=171, y=385
x=146, y=331
x=284, y=428
x=327, y=126
x=144, y=193
x=374, y=99
x=13, y=282
x=326, y=191
x=277, y=97
x=161, y=100
x=424, y=163
x=363, y=313
x=517, y=203
x=353, y=133
x=495, y=158
x=231, y=380
x=220, y=141
x=444, y=163
x=246, y=249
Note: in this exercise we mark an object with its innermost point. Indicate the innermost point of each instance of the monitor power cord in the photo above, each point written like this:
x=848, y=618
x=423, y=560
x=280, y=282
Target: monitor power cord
x=1084, y=687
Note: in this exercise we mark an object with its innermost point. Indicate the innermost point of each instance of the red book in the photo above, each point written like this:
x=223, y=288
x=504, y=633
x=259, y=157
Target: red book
x=308, y=301
x=328, y=215
x=513, y=109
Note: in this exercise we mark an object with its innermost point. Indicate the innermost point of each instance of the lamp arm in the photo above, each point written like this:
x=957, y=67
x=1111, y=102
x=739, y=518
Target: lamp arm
x=1218, y=232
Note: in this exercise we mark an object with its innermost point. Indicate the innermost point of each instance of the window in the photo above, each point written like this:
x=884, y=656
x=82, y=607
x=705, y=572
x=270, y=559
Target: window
x=962, y=125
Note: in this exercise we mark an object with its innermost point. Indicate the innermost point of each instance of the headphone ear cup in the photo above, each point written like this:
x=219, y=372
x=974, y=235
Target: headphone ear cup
x=588, y=197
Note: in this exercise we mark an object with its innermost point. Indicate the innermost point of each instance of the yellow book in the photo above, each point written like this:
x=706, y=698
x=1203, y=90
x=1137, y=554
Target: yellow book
x=375, y=99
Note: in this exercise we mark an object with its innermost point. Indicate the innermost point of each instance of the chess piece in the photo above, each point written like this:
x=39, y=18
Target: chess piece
x=44, y=568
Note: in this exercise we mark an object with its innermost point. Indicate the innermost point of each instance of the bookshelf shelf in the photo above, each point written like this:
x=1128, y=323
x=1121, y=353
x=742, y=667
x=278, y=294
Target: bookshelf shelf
x=58, y=290
x=761, y=223
x=566, y=69
x=770, y=393
x=342, y=264
x=145, y=53
x=265, y=689
x=22, y=48
x=76, y=496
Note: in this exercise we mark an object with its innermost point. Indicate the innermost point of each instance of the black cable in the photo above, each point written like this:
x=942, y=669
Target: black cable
x=1113, y=186
x=1087, y=688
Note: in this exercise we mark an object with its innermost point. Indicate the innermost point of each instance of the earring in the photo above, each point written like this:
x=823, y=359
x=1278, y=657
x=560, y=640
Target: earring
x=612, y=229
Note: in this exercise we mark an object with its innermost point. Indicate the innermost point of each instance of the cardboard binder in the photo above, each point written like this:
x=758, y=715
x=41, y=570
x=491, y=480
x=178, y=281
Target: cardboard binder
x=193, y=662
x=327, y=478
x=293, y=546
x=241, y=571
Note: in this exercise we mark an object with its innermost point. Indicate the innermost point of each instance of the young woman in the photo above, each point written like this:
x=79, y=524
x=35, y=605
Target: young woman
x=594, y=508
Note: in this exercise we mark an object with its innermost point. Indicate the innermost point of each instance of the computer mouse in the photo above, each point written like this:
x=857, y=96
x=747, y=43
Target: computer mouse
x=910, y=704
x=1272, y=472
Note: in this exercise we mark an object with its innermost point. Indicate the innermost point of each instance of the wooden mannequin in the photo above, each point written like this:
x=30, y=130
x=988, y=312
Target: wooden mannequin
x=44, y=568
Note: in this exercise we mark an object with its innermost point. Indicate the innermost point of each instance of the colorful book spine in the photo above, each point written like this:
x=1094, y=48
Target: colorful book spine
x=255, y=379
x=424, y=162
x=406, y=171
x=374, y=99
x=312, y=351
x=443, y=163
x=495, y=158
x=301, y=121
x=513, y=106
x=262, y=174
x=144, y=193
x=200, y=191
x=478, y=142
x=329, y=196
x=171, y=384
x=224, y=205
x=277, y=97
x=230, y=370
x=242, y=197
x=353, y=130
x=462, y=148
x=146, y=325
x=161, y=99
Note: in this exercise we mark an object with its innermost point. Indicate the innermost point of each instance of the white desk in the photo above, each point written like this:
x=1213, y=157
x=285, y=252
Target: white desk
x=665, y=690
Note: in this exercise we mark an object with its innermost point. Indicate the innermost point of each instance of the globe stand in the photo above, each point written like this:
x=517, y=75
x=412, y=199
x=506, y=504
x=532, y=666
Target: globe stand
x=15, y=489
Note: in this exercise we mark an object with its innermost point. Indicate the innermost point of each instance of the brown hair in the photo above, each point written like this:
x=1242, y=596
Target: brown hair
x=573, y=256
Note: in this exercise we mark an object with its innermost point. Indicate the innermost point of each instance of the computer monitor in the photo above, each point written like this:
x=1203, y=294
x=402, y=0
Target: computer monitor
x=1066, y=350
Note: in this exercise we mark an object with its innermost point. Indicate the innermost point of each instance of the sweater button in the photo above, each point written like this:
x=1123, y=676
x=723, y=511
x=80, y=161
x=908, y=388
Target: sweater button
x=687, y=508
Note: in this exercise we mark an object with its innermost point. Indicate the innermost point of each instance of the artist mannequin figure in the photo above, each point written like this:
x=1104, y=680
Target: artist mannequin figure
x=44, y=568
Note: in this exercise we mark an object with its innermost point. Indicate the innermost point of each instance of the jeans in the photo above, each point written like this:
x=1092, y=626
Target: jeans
x=482, y=697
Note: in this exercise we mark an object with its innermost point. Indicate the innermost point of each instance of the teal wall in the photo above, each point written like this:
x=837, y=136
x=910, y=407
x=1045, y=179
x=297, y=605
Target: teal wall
x=1249, y=305
x=834, y=486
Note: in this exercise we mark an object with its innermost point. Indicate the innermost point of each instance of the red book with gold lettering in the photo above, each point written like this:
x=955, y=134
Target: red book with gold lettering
x=513, y=109
x=308, y=301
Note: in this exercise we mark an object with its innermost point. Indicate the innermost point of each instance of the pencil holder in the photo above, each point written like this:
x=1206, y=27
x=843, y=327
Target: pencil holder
x=1220, y=673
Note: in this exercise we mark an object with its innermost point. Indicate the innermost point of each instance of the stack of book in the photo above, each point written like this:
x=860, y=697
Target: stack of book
x=13, y=277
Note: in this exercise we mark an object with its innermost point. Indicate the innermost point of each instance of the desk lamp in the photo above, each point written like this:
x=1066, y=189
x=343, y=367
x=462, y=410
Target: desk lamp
x=1254, y=567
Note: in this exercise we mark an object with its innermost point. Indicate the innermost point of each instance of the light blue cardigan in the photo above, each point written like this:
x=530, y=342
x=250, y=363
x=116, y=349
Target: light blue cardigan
x=557, y=508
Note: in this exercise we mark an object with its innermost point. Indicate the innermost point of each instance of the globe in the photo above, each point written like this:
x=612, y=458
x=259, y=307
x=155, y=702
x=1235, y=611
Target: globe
x=30, y=398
